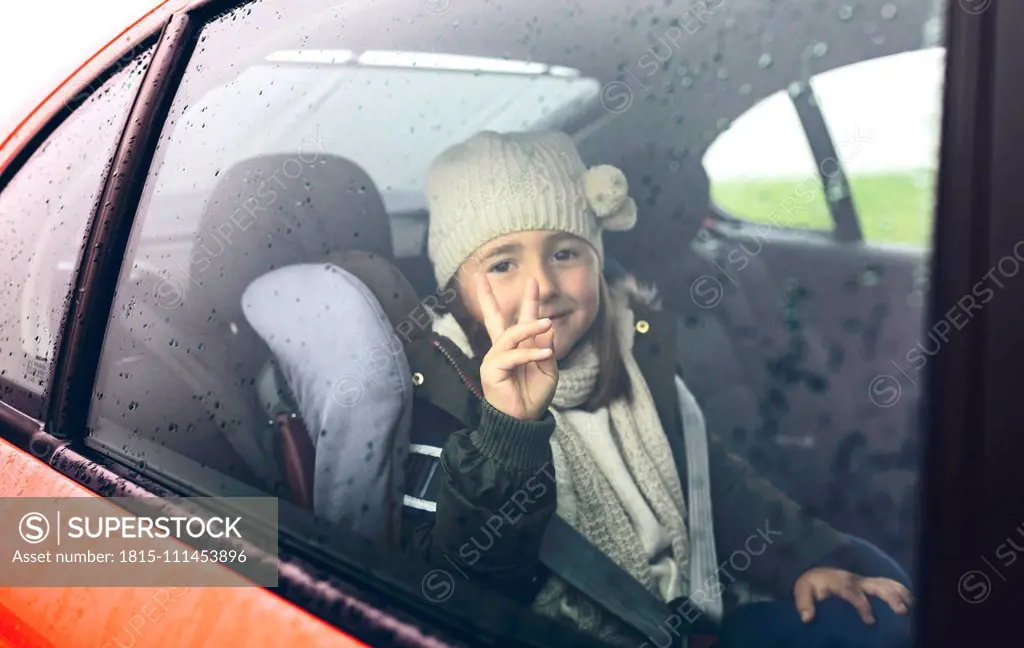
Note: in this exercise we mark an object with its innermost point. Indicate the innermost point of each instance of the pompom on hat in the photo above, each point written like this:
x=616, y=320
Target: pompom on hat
x=495, y=184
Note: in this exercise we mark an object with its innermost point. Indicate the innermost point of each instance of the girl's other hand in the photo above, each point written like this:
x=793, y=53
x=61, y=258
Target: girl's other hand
x=519, y=373
x=821, y=582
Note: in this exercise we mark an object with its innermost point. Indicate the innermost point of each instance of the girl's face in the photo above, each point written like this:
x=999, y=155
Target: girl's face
x=567, y=271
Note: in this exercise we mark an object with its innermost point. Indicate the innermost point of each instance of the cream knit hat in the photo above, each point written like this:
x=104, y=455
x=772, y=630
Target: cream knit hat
x=495, y=184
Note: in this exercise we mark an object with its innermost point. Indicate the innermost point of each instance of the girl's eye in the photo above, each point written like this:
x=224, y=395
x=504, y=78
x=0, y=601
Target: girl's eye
x=566, y=254
x=501, y=266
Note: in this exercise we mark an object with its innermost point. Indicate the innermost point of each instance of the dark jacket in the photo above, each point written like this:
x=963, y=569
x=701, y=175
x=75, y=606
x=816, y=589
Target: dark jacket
x=493, y=483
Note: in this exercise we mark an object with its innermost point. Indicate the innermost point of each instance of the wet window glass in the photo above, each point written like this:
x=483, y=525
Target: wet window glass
x=279, y=324
x=45, y=211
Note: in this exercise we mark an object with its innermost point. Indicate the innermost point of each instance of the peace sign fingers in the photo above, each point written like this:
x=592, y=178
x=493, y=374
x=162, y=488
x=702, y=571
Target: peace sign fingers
x=529, y=308
x=518, y=373
x=494, y=321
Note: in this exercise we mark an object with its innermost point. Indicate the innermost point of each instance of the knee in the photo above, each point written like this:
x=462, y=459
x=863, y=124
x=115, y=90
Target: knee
x=894, y=630
x=836, y=624
x=843, y=625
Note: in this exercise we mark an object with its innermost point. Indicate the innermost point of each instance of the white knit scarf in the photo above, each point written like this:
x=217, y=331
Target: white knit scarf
x=586, y=500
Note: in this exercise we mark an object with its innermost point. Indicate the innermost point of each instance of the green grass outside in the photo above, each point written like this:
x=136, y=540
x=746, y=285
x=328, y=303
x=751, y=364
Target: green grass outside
x=893, y=207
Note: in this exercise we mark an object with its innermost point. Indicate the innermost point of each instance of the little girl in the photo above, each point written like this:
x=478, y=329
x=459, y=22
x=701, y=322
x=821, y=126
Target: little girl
x=545, y=391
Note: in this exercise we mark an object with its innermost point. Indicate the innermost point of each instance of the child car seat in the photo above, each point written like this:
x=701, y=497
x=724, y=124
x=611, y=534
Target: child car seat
x=266, y=212
x=338, y=388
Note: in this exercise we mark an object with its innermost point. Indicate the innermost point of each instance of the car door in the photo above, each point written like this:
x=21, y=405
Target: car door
x=164, y=433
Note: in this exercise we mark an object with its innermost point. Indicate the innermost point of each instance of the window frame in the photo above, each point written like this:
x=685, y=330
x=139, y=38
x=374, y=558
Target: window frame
x=974, y=445
x=82, y=341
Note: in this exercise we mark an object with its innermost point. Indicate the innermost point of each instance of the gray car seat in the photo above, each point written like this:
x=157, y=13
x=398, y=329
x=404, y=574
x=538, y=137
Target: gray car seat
x=345, y=371
x=296, y=446
x=266, y=213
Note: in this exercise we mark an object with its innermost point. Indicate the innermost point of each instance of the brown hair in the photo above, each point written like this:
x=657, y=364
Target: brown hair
x=612, y=380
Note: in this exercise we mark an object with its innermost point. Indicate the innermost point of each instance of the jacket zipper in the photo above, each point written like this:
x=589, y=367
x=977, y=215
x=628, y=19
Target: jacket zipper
x=469, y=383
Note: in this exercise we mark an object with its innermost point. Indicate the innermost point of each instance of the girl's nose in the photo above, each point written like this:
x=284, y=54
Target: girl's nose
x=545, y=283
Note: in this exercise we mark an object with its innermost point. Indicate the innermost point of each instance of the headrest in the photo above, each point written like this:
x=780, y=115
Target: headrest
x=671, y=190
x=276, y=210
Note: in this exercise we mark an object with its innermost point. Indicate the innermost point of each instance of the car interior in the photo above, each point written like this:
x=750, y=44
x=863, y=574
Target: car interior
x=765, y=371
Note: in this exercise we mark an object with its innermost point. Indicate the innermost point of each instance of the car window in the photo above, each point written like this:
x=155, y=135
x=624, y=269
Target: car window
x=45, y=211
x=882, y=116
x=763, y=164
x=300, y=137
x=888, y=109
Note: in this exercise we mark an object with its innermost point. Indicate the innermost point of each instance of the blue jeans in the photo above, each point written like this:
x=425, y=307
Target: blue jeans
x=836, y=624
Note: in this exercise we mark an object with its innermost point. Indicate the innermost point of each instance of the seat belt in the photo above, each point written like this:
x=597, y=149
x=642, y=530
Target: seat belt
x=575, y=560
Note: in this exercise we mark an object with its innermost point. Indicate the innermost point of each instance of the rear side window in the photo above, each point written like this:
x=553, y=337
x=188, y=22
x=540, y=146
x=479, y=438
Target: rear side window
x=45, y=212
x=882, y=116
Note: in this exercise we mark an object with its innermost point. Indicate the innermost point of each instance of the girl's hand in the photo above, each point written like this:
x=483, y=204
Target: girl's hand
x=519, y=374
x=818, y=583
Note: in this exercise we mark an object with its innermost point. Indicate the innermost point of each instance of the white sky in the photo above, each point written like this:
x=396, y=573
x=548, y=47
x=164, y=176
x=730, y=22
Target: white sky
x=891, y=106
x=42, y=41
x=892, y=103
